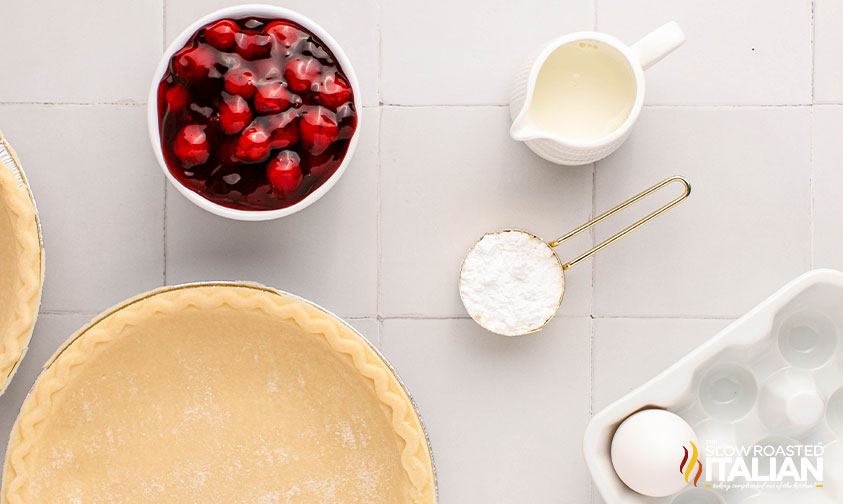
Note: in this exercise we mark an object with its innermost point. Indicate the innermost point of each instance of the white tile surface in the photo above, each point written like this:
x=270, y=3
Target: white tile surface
x=744, y=231
x=443, y=52
x=619, y=345
x=505, y=415
x=52, y=330
x=747, y=52
x=620, y=363
x=326, y=253
x=354, y=25
x=828, y=51
x=827, y=184
x=100, y=196
x=448, y=176
x=89, y=51
x=387, y=241
x=369, y=328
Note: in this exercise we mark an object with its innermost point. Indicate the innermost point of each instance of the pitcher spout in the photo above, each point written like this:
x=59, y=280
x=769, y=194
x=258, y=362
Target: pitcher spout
x=523, y=129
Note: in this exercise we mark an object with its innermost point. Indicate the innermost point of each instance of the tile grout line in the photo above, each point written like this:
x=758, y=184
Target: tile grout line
x=164, y=237
x=164, y=231
x=592, y=232
x=591, y=320
x=379, y=27
x=701, y=106
x=118, y=103
x=593, y=324
x=811, y=217
x=418, y=316
x=663, y=317
x=813, y=49
x=594, y=15
x=381, y=319
x=68, y=312
x=378, y=184
x=704, y=106
x=727, y=106
x=379, y=224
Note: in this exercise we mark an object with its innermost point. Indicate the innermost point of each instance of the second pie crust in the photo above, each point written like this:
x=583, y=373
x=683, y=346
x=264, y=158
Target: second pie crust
x=21, y=251
x=51, y=431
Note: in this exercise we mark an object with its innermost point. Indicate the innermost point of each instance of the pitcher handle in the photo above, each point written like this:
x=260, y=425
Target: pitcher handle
x=657, y=44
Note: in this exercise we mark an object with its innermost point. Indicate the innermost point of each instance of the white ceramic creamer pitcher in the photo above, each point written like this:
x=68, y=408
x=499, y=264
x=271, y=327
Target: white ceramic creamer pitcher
x=576, y=101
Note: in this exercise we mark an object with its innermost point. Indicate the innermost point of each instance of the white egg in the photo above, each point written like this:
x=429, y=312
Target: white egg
x=647, y=452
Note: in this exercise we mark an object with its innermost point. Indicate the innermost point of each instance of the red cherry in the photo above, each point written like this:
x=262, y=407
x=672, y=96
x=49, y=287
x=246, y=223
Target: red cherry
x=191, y=145
x=285, y=33
x=221, y=34
x=240, y=82
x=273, y=98
x=302, y=73
x=333, y=91
x=253, y=145
x=318, y=127
x=195, y=63
x=176, y=98
x=284, y=129
x=235, y=114
x=284, y=172
x=252, y=47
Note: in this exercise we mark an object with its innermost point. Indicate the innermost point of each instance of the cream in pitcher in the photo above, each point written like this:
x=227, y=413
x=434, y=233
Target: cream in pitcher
x=576, y=101
x=585, y=90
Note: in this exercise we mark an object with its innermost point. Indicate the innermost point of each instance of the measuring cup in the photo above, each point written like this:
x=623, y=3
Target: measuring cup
x=564, y=266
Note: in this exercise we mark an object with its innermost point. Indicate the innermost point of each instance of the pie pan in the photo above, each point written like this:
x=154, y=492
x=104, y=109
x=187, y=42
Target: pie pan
x=218, y=392
x=21, y=263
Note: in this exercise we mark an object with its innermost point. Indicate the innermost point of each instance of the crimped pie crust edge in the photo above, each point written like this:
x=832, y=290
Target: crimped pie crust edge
x=14, y=339
x=415, y=456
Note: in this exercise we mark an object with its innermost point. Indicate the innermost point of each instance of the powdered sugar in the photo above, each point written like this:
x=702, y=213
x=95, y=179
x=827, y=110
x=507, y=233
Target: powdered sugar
x=511, y=282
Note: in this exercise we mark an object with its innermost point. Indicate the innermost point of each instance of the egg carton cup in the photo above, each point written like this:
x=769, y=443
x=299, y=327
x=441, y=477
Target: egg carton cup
x=772, y=377
x=9, y=161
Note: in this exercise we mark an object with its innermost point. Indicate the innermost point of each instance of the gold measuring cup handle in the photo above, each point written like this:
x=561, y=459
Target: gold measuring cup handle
x=605, y=215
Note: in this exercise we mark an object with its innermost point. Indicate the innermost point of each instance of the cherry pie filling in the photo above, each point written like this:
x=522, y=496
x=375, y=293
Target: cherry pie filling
x=254, y=113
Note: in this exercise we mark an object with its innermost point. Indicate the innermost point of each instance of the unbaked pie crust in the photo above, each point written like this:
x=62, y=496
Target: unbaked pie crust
x=21, y=264
x=218, y=393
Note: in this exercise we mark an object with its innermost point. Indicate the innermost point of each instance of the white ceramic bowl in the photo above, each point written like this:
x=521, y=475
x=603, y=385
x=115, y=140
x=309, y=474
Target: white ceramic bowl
x=239, y=11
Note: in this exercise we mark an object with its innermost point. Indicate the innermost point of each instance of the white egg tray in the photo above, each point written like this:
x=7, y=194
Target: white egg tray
x=773, y=377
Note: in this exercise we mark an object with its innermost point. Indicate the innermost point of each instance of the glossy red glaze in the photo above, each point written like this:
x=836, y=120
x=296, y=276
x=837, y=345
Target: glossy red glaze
x=254, y=113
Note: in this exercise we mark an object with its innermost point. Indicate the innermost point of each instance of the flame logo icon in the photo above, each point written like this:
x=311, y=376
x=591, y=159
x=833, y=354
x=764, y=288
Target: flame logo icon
x=687, y=466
